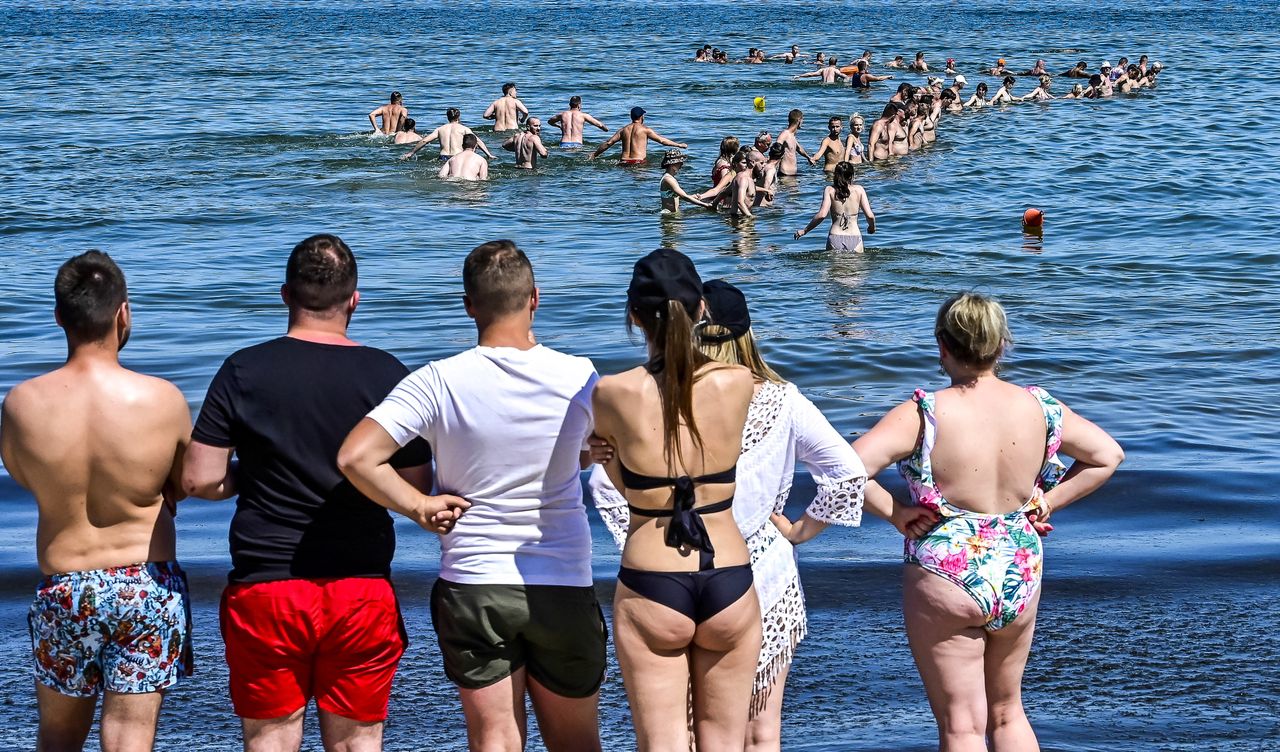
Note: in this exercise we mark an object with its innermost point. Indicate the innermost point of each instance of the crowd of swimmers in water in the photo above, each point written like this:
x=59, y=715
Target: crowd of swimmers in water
x=745, y=178
x=692, y=454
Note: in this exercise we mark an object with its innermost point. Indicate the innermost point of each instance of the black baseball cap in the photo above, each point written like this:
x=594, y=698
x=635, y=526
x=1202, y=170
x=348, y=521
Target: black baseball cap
x=665, y=274
x=637, y=113
x=726, y=307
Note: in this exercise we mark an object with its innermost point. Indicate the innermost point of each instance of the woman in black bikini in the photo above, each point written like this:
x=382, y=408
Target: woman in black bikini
x=685, y=612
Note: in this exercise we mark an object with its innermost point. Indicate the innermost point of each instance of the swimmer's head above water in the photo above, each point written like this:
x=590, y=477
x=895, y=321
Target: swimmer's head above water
x=452, y=114
x=396, y=98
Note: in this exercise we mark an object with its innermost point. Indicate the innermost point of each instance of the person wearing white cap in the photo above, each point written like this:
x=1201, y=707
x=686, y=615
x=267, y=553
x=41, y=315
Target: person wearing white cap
x=958, y=85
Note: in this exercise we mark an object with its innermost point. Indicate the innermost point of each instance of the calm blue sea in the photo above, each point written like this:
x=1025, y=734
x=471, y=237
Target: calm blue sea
x=197, y=142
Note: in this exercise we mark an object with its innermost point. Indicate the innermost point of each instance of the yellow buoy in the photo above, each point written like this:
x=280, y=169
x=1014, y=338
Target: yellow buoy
x=759, y=104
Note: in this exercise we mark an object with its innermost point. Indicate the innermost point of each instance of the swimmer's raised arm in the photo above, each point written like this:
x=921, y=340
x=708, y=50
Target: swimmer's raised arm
x=810, y=74
x=669, y=182
x=509, y=144
x=842, y=74
x=725, y=181
x=594, y=122
x=655, y=136
x=491, y=112
x=609, y=142
x=418, y=146
x=373, y=120
x=823, y=211
x=522, y=112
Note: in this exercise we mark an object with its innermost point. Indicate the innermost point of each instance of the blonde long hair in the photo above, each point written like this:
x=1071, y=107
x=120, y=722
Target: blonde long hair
x=740, y=351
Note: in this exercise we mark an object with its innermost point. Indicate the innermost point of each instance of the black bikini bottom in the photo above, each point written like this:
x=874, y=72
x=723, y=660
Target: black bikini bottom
x=697, y=595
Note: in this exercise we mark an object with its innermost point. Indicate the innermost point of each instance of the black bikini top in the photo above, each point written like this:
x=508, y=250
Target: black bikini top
x=686, y=528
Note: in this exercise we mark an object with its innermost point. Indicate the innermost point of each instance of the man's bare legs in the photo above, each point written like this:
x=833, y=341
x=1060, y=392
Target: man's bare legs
x=284, y=734
x=497, y=721
x=943, y=629
x=64, y=721
x=340, y=734
x=567, y=724
x=128, y=721
x=496, y=718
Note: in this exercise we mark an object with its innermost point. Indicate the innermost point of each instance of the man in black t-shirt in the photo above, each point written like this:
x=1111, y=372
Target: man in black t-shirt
x=309, y=610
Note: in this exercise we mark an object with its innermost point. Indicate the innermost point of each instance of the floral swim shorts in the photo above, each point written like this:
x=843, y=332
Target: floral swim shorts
x=125, y=629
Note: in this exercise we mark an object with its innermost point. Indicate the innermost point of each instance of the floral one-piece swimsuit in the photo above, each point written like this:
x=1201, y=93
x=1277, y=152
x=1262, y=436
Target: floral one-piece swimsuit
x=995, y=558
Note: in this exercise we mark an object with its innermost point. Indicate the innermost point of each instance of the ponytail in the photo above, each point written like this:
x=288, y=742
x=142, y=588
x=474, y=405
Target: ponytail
x=676, y=374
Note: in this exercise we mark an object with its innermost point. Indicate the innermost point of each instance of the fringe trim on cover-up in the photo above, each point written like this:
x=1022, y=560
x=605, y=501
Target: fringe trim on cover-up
x=762, y=687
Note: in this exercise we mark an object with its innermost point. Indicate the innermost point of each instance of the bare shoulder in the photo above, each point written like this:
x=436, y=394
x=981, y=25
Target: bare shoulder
x=730, y=378
x=22, y=397
x=619, y=386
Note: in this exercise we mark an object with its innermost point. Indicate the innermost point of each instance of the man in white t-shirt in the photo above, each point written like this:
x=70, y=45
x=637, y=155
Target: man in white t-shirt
x=508, y=420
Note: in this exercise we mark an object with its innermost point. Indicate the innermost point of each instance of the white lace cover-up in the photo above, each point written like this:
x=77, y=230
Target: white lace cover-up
x=783, y=427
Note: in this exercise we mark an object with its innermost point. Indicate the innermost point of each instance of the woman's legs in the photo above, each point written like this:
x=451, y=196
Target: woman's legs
x=1006, y=657
x=723, y=660
x=947, y=639
x=652, y=643
x=764, y=732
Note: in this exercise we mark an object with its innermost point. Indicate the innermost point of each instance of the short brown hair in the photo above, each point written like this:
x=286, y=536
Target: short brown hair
x=87, y=293
x=498, y=278
x=321, y=273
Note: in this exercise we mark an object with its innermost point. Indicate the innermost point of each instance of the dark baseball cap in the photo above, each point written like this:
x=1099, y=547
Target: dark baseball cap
x=726, y=307
x=637, y=113
x=665, y=274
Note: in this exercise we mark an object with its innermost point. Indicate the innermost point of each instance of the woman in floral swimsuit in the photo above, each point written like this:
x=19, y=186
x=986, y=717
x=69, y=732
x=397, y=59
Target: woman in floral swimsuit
x=982, y=455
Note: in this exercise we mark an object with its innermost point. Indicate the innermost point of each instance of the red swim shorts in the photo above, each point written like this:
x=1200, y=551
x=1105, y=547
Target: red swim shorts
x=287, y=641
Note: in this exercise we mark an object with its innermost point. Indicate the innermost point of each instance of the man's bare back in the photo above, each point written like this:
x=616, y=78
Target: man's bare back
x=392, y=114
x=99, y=446
x=505, y=112
x=571, y=123
x=527, y=145
x=467, y=165
x=635, y=139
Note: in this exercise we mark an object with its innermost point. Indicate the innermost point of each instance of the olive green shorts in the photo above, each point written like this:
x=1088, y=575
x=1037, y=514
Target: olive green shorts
x=487, y=632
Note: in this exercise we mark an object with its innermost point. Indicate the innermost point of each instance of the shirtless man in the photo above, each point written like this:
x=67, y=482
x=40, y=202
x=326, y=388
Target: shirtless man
x=957, y=86
x=1000, y=69
x=570, y=124
x=450, y=136
x=743, y=189
x=897, y=62
x=919, y=65
x=1081, y=70
x=789, y=56
x=767, y=183
x=527, y=144
x=409, y=134
x=100, y=449
x=466, y=164
x=508, y=111
x=787, y=138
x=635, y=140
x=392, y=114
x=862, y=79
x=829, y=74
x=760, y=149
x=832, y=147
x=1132, y=80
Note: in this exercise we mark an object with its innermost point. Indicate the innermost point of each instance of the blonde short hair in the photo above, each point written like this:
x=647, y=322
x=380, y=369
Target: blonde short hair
x=974, y=329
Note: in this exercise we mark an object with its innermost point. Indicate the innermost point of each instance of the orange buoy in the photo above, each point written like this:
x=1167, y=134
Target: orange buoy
x=1033, y=218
